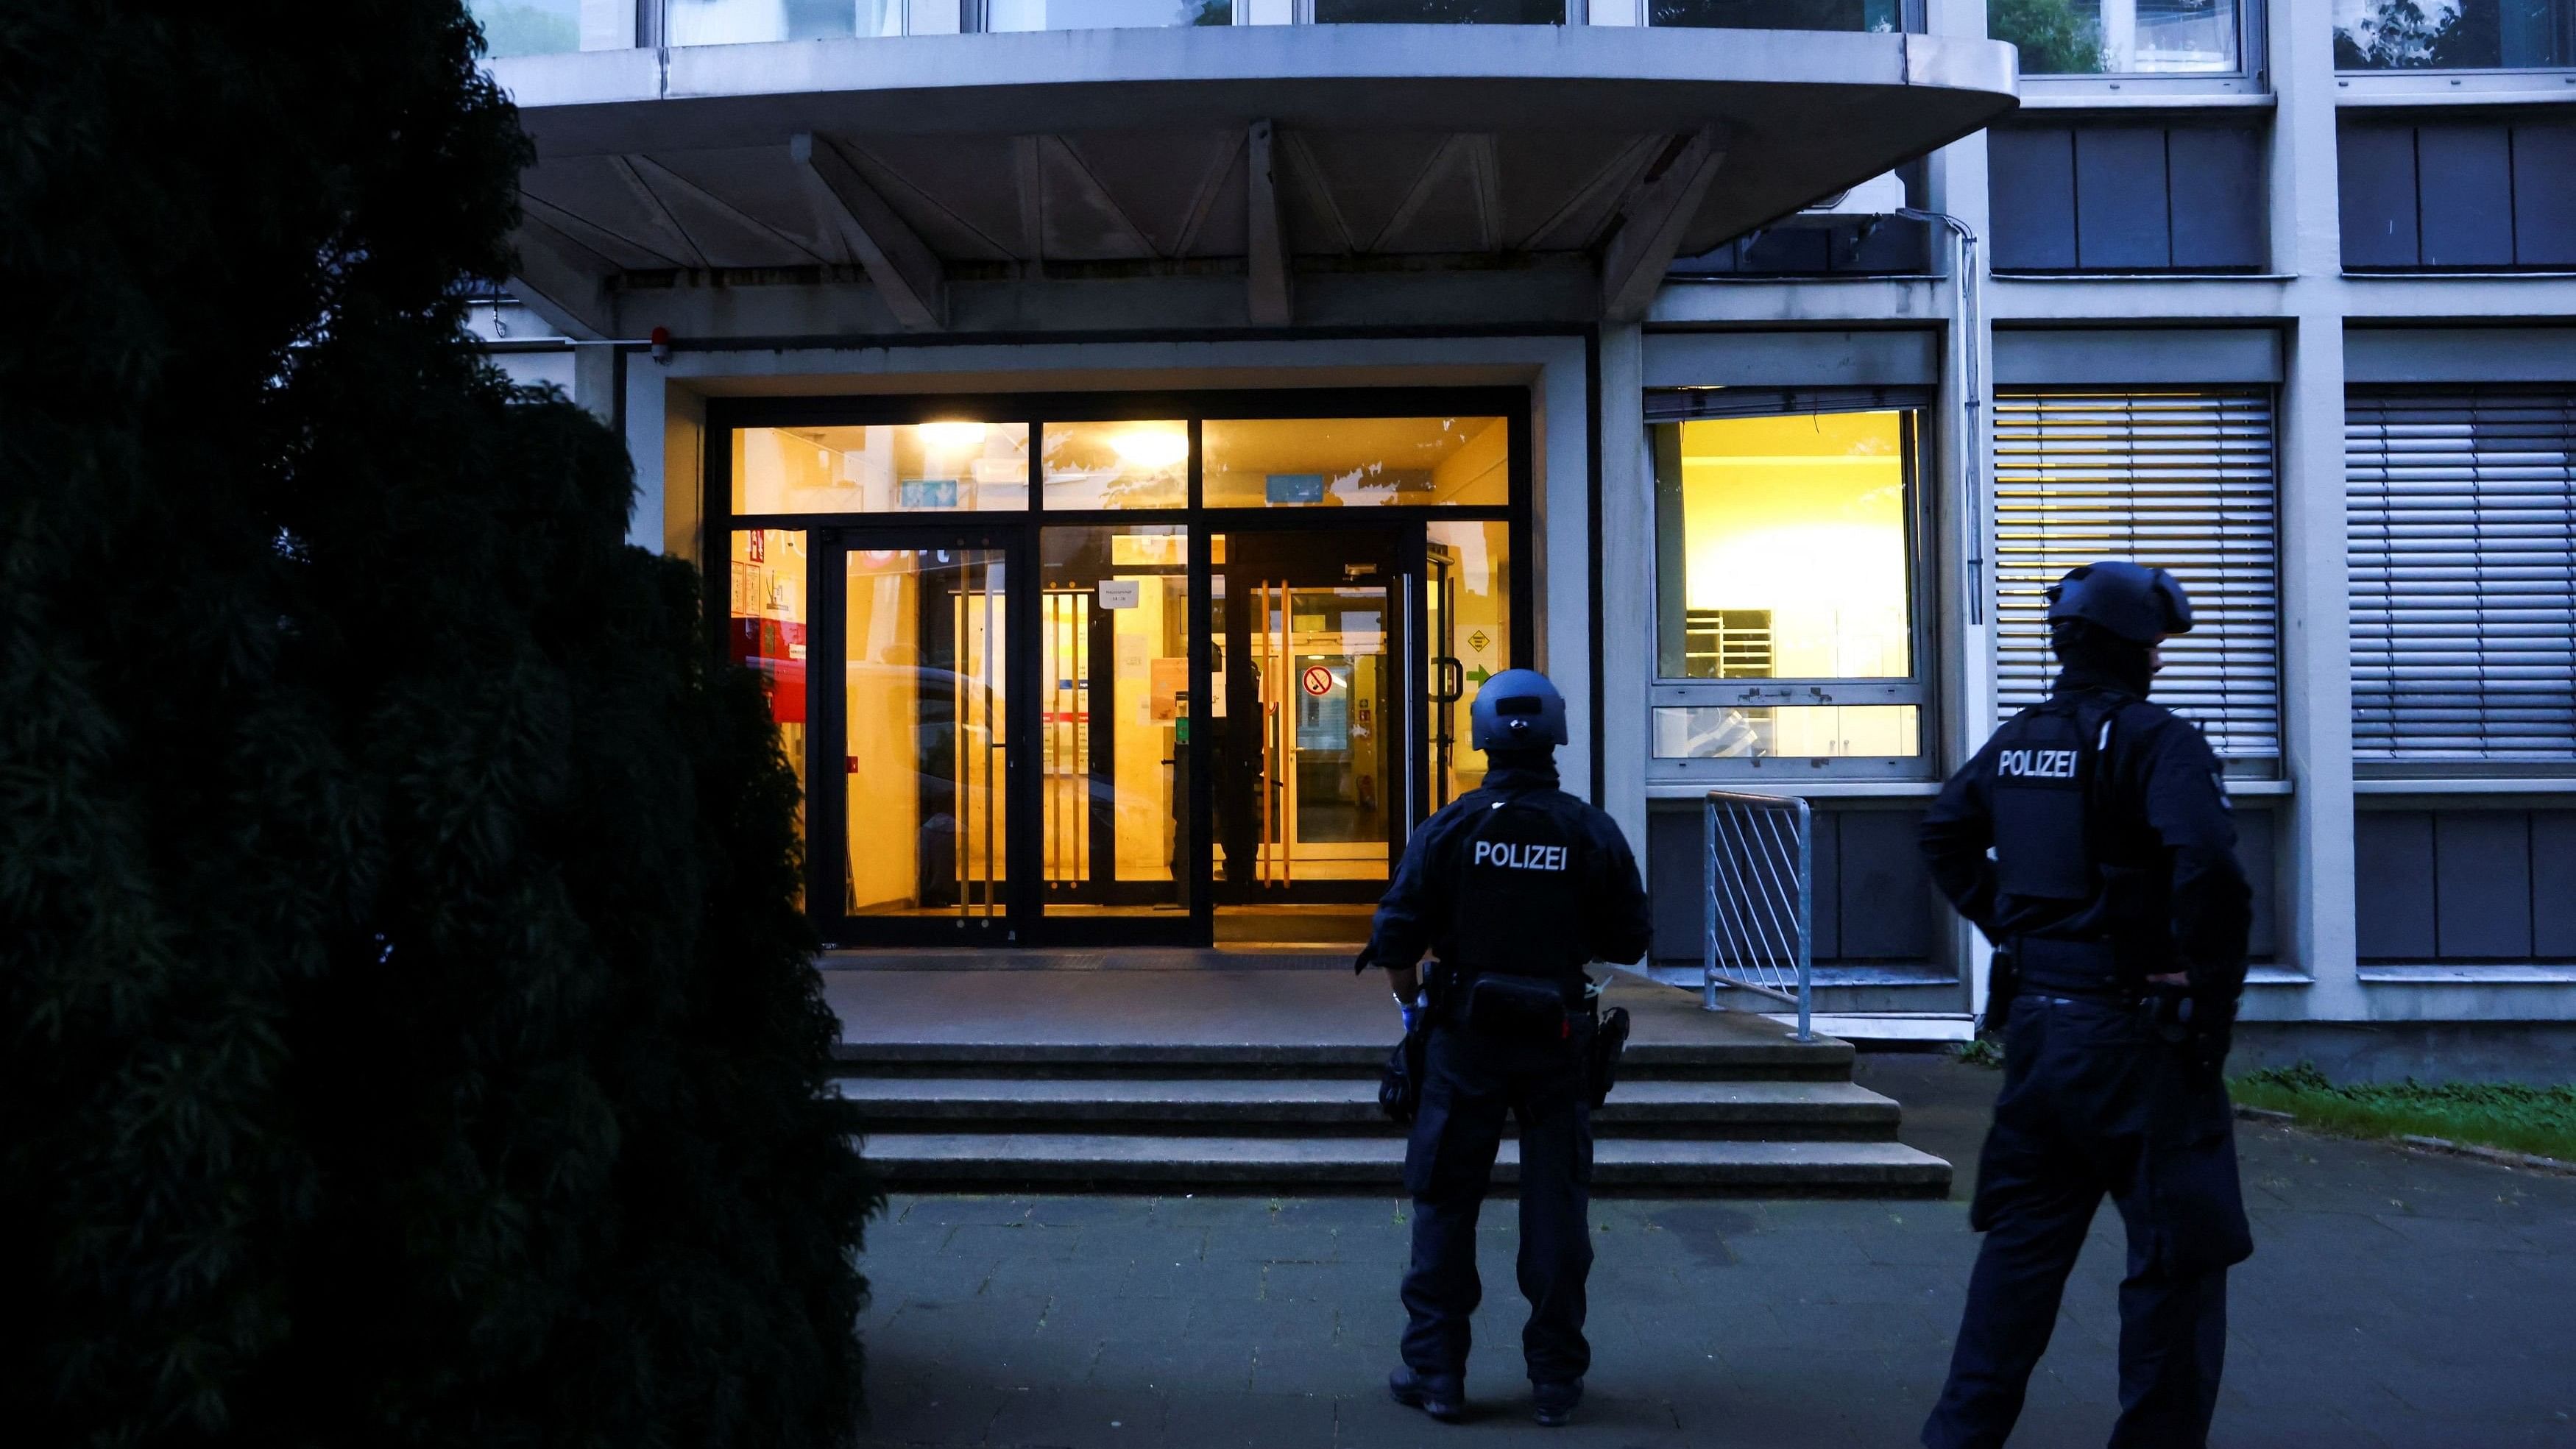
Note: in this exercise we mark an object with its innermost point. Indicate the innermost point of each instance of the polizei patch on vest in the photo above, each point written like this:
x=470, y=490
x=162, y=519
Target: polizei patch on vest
x=1520, y=857
x=2036, y=764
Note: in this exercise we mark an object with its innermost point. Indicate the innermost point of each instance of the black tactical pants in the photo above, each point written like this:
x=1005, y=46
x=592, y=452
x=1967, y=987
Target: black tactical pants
x=1469, y=1082
x=2094, y=1103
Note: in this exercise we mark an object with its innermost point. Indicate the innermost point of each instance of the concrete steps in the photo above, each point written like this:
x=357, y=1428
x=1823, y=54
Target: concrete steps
x=1294, y=1106
x=1226, y=1080
x=990, y=1161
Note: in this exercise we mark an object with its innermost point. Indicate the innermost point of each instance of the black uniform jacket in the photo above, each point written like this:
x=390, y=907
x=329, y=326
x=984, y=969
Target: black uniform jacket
x=2168, y=822
x=1611, y=922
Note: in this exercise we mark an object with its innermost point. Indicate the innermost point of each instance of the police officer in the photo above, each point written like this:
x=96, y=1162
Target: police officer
x=2119, y=915
x=1515, y=887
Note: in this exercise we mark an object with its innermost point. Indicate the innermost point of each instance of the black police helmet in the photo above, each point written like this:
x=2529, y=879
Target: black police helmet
x=2135, y=602
x=1517, y=710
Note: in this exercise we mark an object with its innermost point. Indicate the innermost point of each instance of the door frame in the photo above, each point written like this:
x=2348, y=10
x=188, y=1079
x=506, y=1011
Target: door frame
x=826, y=740
x=1018, y=534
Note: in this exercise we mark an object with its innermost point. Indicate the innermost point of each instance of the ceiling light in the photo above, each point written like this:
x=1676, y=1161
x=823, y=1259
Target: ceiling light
x=1152, y=448
x=953, y=435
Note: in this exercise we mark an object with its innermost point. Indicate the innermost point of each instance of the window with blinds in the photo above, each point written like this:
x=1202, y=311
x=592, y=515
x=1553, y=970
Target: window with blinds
x=2178, y=478
x=2460, y=507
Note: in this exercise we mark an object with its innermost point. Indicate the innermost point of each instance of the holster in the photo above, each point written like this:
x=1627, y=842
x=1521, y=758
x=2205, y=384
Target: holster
x=2003, y=983
x=1601, y=1059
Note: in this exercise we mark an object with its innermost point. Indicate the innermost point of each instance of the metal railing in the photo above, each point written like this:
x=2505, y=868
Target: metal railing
x=1759, y=858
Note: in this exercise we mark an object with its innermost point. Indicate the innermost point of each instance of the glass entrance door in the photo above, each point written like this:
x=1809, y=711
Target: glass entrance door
x=920, y=834
x=1311, y=691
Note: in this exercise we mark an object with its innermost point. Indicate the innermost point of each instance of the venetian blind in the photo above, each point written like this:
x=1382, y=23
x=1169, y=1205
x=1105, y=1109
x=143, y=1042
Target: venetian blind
x=2460, y=511
x=2180, y=479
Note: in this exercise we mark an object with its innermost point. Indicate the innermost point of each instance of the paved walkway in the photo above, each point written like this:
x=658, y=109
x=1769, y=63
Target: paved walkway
x=2394, y=1300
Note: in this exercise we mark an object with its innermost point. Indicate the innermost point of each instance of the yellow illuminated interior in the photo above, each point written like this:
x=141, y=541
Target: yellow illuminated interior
x=766, y=622
x=1802, y=519
x=1355, y=462
x=933, y=467
x=1470, y=617
x=1115, y=464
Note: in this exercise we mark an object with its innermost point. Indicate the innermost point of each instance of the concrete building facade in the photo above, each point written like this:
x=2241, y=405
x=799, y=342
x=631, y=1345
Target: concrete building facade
x=1161, y=417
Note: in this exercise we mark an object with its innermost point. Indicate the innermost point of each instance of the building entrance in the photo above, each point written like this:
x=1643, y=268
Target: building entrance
x=1120, y=682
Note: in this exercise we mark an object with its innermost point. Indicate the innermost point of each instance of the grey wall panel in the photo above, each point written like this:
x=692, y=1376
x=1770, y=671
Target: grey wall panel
x=2553, y=884
x=2031, y=183
x=1886, y=893
x=2188, y=356
x=1673, y=881
x=2482, y=884
x=2464, y=176
x=2256, y=834
x=2456, y=354
x=1827, y=863
x=2218, y=198
x=2376, y=165
x=2393, y=884
x=1793, y=359
x=2544, y=196
x=2121, y=216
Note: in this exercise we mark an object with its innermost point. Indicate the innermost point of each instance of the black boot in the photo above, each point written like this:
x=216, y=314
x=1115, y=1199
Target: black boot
x=1555, y=1402
x=1442, y=1396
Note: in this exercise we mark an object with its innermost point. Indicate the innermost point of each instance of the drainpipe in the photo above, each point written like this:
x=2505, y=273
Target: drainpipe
x=1968, y=428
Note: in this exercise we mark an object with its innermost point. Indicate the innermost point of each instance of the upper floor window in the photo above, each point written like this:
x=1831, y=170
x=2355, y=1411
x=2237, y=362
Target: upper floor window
x=2123, y=37
x=2383, y=35
x=2487, y=194
x=527, y=27
x=1866, y=16
x=2120, y=197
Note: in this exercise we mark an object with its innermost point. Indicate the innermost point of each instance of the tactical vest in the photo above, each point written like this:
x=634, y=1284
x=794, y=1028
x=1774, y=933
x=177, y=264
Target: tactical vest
x=2051, y=824
x=1517, y=894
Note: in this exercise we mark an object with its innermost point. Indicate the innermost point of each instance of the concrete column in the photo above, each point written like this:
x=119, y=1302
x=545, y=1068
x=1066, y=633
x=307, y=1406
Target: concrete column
x=596, y=370
x=647, y=424
x=2316, y=880
x=1627, y=598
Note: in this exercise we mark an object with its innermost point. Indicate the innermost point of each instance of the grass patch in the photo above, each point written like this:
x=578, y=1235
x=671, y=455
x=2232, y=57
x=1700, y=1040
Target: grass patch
x=1983, y=1051
x=2539, y=1120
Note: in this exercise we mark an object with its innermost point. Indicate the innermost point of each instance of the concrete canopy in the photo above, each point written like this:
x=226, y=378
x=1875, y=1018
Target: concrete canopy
x=1283, y=150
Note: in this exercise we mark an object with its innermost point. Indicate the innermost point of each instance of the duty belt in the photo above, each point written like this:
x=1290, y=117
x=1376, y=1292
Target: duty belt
x=2086, y=969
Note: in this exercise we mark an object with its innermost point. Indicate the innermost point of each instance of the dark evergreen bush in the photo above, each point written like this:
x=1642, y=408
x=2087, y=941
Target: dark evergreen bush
x=411, y=1036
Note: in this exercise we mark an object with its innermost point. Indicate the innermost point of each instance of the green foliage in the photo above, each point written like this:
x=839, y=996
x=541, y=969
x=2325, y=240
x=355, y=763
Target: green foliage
x=2539, y=1120
x=411, y=1037
x=2053, y=36
x=1982, y=1051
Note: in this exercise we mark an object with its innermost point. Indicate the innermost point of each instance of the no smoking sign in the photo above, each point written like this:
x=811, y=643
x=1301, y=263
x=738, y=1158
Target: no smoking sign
x=1318, y=680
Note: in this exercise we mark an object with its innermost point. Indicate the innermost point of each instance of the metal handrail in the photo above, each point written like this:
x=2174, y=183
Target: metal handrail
x=1760, y=933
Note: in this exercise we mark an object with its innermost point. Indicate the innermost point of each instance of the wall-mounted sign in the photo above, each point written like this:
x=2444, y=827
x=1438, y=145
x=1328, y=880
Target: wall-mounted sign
x=1121, y=593
x=1319, y=680
x=926, y=493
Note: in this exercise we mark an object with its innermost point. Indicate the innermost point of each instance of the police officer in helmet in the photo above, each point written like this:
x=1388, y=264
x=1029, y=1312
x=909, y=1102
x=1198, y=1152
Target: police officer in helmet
x=2119, y=914
x=1514, y=887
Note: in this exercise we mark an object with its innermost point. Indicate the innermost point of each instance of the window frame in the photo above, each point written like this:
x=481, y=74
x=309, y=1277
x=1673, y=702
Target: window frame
x=2416, y=84
x=1917, y=688
x=2251, y=78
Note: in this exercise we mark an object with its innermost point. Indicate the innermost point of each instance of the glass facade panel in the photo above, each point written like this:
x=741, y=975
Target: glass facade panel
x=1468, y=610
x=1440, y=12
x=1853, y=15
x=2123, y=37
x=1101, y=14
x=765, y=629
x=1812, y=731
x=1782, y=547
x=940, y=467
x=1114, y=720
x=2454, y=34
x=734, y=22
x=927, y=732
x=1355, y=462
x=527, y=27
x=1115, y=465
